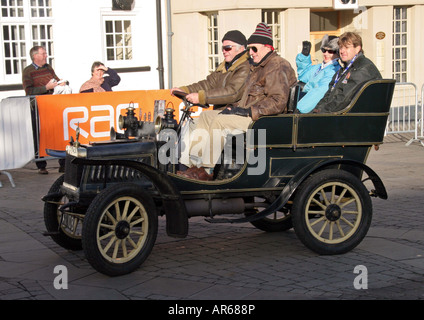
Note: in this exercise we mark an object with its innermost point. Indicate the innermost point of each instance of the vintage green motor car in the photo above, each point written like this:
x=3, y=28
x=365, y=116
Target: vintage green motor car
x=301, y=171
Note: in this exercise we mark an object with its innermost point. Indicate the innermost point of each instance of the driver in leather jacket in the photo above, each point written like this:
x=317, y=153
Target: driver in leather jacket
x=226, y=84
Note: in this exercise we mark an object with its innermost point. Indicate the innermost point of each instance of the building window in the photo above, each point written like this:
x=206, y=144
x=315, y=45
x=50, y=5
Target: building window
x=119, y=45
x=324, y=21
x=12, y=8
x=272, y=19
x=41, y=8
x=24, y=24
x=42, y=35
x=400, y=42
x=14, y=46
x=213, y=42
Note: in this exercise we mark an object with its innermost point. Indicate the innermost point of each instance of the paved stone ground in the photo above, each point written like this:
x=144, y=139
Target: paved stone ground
x=226, y=262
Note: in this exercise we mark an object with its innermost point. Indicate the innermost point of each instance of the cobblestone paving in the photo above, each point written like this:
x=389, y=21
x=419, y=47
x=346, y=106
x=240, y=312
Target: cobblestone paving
x=227, y=262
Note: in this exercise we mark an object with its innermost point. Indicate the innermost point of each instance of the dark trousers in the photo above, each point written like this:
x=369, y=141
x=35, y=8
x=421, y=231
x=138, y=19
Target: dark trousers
x=43, y=164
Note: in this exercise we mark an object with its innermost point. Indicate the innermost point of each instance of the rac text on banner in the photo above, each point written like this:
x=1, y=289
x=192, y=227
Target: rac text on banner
x=95, y=113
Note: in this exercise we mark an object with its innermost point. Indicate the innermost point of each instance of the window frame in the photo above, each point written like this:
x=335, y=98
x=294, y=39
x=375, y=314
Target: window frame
x=401, y=75
x=276, y=27
x=27, y=21
x=119, y=16
x=213, y=43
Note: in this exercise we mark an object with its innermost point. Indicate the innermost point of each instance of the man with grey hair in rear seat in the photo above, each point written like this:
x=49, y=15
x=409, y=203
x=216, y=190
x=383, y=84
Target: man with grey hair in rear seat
x=355, y=71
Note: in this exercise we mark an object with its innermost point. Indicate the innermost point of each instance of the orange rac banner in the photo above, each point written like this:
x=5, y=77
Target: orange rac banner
x=95, y=113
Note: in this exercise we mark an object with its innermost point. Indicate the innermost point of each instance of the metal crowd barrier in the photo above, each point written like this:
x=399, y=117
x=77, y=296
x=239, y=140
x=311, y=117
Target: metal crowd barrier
x=406, y=112
x=421, y=120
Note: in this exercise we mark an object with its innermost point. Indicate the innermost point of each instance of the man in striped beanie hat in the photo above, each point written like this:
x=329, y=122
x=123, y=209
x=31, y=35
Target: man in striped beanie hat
x=267, y=89
x=262, y=34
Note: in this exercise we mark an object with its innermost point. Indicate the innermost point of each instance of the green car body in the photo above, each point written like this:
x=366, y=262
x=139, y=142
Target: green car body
x=286, y=160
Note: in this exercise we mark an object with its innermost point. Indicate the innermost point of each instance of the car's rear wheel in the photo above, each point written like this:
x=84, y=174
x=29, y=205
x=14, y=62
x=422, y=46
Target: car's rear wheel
x=275, y=222
x=332, y=212
x=120, y=229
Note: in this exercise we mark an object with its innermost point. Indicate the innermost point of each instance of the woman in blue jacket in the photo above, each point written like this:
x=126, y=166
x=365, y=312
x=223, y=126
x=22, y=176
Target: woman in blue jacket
x=316, y=77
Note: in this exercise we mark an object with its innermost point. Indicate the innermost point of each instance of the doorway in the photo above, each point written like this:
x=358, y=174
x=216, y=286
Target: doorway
x=322, y=23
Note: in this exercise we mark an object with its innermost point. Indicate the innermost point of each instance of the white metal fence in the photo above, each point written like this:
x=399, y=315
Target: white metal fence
x=406, y=112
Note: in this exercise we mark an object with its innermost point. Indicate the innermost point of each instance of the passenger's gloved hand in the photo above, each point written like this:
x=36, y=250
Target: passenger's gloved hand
x=306, y=48
x=244, y=112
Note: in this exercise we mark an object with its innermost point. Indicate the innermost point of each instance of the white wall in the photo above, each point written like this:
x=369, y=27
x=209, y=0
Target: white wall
x=79, y=41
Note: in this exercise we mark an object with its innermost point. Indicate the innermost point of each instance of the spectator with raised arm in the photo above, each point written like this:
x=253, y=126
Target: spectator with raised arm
x=102, y=79
x=316, y=77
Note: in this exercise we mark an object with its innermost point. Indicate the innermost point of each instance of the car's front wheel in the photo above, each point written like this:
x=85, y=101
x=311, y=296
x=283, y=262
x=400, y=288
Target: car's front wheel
x=119, y=229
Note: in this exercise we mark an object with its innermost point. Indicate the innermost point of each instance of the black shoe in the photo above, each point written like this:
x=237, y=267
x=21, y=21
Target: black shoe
x=43, y=171
x=62, y=169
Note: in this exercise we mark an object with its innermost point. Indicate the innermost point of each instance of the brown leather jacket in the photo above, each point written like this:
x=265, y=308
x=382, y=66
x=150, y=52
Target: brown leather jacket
x=222, y=86
x=268, y=87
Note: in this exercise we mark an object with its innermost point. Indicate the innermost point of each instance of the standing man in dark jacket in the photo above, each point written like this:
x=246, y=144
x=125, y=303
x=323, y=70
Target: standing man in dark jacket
x=266, y=93
x=355, y=71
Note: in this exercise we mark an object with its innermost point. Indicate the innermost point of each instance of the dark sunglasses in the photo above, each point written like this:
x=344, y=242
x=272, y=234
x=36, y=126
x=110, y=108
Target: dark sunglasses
x=254, y=49
x=329, y=51
x=227, y=48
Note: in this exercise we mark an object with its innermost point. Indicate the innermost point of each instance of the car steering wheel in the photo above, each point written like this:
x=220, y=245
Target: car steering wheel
x=182, y=95
x=186, y=111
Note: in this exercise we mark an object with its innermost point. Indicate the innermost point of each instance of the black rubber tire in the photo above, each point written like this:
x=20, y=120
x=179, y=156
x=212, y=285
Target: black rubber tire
x=335, y=225
x=272, y=223
x=131, y=230
x=52, y=218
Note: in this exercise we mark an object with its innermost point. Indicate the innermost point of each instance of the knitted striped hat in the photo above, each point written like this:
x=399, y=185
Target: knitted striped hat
x=262, y=35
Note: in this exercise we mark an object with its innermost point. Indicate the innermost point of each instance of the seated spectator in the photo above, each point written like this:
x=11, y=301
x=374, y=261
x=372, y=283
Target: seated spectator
x=355, y=71
x=316, y=77
x=102, y=79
